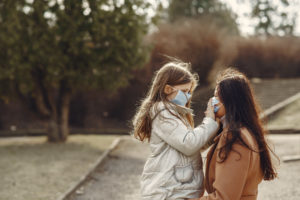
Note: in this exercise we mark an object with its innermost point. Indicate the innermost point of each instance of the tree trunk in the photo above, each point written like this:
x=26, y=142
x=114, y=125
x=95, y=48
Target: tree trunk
x=58, y=129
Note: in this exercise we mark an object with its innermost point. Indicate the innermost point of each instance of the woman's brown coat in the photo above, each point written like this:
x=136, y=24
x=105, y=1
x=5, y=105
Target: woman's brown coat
x=239, y=175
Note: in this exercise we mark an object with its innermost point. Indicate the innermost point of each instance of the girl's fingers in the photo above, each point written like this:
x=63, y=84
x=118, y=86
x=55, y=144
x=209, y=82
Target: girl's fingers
x=209, y=105
x=210, y=110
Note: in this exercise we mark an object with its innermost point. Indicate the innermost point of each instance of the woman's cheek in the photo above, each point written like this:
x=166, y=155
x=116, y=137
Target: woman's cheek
x=221, y=112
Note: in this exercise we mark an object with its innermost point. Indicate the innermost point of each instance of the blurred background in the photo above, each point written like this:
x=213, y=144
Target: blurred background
x=81, y=67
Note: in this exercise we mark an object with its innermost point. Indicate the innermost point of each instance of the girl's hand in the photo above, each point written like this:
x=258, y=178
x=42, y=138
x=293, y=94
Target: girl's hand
x=210, y=110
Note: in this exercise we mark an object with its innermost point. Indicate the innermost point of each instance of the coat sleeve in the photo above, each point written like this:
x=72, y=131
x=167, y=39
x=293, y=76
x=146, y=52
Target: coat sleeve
x=188, y=141
x=231, y=175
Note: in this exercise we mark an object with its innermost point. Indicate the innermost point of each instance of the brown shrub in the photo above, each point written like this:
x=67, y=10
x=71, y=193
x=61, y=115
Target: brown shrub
x=190, y=41
x=204, y=47
x=274, y=57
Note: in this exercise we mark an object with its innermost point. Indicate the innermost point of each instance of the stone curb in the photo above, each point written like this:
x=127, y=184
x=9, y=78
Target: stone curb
x=291, y=158
x=277, y=107
x=272, y=110
x=74, y=187
x=283, y=131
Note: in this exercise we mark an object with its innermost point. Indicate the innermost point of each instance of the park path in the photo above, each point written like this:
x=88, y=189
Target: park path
x=118, y=177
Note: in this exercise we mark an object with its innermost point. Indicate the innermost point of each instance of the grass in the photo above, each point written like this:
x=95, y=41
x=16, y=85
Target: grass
x=287, y=118
x=32, y=169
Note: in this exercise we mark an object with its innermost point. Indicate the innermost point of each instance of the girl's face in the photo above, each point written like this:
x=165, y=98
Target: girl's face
x=221, y=112
x=172, y=91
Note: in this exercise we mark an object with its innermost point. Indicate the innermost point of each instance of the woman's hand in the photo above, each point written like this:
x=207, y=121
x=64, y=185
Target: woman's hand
x=210, y=110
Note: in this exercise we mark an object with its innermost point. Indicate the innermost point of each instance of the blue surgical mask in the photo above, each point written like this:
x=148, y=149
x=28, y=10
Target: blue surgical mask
x=181, y=98
x=214, y=103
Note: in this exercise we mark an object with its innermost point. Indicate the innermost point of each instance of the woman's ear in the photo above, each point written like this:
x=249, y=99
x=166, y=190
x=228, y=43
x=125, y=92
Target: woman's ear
x=168, y=89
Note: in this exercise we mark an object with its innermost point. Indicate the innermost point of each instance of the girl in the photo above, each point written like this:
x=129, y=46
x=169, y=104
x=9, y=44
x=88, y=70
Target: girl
x=174, y=168
x=240, y=158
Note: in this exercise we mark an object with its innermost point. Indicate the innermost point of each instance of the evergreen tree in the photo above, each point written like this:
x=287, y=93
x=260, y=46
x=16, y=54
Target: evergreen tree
x=50, y=49
x=208, y=10
x=267, y=13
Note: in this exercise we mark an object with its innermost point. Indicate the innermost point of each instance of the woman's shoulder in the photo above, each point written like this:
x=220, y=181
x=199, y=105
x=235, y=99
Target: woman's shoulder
x=246, y=135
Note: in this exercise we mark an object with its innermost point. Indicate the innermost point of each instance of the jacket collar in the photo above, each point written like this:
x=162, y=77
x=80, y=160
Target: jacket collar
x=180, y=109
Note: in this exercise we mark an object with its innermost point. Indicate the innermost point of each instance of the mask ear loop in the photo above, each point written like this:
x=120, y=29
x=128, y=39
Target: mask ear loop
x=181, y=91
x=187, y=99
x=174, y=89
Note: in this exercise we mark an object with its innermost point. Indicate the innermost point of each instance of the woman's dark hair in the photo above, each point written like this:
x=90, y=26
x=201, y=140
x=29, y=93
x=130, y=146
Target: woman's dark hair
x=242, y=111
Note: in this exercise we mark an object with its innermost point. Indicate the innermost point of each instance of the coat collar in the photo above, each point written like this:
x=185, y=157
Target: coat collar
x=180, y=109
x=224, y=131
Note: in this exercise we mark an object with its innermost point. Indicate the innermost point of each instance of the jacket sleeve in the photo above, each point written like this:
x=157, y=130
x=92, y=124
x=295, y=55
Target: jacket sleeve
x=188, y=141
x=231, y=175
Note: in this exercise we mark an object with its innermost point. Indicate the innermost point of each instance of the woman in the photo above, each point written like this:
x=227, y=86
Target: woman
x=240, y=158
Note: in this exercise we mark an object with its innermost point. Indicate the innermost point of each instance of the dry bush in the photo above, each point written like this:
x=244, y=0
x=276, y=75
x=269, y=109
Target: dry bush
x=191, y=41
x=274, y=57
x=205, y=47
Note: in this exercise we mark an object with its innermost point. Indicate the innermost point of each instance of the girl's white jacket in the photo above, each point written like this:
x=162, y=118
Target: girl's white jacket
x=174, y=168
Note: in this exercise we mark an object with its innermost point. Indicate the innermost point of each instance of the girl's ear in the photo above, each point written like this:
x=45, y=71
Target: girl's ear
x=168, y=89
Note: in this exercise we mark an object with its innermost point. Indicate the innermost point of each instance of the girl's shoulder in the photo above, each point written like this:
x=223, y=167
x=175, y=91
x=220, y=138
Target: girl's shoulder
x=159, y=105
x=159, y=108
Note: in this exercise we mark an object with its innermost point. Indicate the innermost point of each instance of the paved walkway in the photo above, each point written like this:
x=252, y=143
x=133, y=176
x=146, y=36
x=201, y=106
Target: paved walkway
x=118, y=177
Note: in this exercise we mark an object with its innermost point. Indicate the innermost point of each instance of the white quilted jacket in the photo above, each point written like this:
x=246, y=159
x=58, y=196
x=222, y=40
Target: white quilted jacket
x=174, y=168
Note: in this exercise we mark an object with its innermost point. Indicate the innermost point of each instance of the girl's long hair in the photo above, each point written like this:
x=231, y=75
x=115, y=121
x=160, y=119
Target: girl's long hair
x=172, y=73
x=236, y=94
